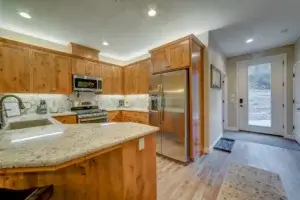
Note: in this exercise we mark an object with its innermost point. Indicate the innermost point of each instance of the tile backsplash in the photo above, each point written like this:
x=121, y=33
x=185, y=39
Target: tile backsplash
x=64, y=102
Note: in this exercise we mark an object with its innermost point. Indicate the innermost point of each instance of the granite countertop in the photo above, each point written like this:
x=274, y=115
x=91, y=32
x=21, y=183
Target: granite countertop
x=128, y=109
x=37, y=148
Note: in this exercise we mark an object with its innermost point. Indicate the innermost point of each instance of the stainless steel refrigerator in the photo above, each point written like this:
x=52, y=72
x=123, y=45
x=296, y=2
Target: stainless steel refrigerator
x=169, y=110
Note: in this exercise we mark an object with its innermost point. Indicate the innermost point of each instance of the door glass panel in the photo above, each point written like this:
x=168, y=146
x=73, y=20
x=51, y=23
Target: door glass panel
x=259, y=95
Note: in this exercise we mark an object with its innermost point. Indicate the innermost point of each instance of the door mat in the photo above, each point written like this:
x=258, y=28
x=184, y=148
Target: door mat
x=244, y=182
x=225, y=144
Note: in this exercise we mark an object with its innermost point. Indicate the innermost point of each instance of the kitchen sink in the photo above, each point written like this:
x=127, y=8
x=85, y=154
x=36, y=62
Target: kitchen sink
x=28, y=124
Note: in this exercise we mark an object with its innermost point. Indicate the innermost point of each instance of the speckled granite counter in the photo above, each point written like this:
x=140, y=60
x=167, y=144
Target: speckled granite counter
x=128, y=109
x=36, y=149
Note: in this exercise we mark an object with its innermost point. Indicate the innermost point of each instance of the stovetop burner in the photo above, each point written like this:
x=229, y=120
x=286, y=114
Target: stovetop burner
x=89, y=111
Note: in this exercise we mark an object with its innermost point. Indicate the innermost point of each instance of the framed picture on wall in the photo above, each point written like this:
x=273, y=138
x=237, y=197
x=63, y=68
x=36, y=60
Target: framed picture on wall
x=215, y=77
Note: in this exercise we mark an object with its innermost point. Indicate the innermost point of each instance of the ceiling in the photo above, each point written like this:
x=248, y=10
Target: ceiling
x=125, y=25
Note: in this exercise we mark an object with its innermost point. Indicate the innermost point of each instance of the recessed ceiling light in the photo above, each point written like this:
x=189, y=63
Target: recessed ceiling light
x=152, y=12
x=25, y=15
x=249, y=40
x=105, y=43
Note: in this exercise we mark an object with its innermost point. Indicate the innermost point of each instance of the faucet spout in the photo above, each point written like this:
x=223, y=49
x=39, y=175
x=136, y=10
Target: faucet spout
x=21, y=106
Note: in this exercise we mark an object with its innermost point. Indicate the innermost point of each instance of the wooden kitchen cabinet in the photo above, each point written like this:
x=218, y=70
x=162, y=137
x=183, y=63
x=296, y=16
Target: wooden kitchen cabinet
x=174, y=55
x=130, y=79
x=63, y=76
x=180, y=55
x=114, y=116
x=14, y=69
x=69, y=119
x=86, y=68
x=136, y=117
x=97, y=70
x=143, y=77
x=117, y=80
x=78, y=66
x=89, y=68
x=160, y=60
x=107, y=79
x=43, y=71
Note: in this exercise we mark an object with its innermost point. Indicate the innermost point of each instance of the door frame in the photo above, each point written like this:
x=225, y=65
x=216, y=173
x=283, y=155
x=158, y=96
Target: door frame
x=239, y=63
x=295, y=136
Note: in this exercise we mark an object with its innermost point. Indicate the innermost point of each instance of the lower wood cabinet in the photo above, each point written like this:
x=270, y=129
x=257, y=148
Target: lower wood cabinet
x=128, y=116
x=137, y=117
x=70, y=119
x=114, y=116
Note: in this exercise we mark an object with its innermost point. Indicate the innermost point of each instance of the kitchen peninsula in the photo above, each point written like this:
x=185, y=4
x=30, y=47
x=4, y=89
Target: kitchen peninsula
x=83, y=161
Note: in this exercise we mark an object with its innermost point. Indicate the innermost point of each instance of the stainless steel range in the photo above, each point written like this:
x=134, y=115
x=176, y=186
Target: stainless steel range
x=86, y=113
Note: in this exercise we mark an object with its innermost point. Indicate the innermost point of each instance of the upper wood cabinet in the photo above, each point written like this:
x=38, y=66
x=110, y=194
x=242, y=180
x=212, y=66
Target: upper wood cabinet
x=14, y=69
x=160, y=60
x=43, y=71
x=180, y=55
x=143, y=76
x=136, y=77
x=98, y=70
x=63, y=76
x=117, y=80
x=89, y=68
x=78, y=66
x=130, y=79
x=107, y=79
x=174, y=55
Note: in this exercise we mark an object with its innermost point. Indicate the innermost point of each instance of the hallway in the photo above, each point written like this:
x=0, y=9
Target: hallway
x=262, y=139
x=202, y=180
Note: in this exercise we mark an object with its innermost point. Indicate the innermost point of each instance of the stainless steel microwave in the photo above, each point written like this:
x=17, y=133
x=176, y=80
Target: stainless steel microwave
x=87, y=84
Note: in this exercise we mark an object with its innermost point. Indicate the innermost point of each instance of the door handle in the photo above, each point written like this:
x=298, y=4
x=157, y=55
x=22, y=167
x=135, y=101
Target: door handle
x=241, y=102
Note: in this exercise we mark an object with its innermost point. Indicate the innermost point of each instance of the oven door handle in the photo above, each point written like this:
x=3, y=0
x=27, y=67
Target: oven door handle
x=91, y=118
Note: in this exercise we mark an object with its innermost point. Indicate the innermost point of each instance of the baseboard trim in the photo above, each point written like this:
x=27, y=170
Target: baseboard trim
x=208, y=150
x=297, y=138
x=291, y=137
x=231, y=129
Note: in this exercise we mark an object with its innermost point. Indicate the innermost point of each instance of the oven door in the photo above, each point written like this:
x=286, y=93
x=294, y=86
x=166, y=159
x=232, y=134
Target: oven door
x=92, y=120
x=87, y=84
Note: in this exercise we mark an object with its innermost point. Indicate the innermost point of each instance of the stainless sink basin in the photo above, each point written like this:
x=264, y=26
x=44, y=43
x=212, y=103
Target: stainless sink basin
x=28, y=124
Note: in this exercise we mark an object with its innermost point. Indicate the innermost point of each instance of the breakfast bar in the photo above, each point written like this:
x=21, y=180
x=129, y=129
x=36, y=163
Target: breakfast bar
x=82, y=161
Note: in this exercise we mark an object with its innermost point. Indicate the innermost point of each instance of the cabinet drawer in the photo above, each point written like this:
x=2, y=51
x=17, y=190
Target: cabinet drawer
x=72, y=119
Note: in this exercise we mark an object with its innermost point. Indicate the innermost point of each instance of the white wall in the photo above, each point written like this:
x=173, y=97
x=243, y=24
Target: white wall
x=217, y=58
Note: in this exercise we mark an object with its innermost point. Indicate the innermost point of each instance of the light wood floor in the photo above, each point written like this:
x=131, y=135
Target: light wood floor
x=202, y=180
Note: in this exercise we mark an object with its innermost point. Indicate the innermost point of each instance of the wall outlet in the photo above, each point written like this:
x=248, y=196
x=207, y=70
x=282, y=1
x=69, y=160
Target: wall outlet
x=141, y=144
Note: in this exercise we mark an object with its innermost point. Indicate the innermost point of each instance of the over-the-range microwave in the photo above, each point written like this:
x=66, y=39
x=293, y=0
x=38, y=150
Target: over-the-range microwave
x=87, y=84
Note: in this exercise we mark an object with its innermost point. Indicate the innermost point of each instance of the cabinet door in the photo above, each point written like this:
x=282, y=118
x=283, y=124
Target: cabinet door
x=117, y=80
x=160, y=60
x=180, y=55
x=63, y=76
x=130, y=79
x=89, y=68
x=78, y=66
x=98, y=70
x=107, y=78
x=143, y=77
x=43, y=72
x=14, y=69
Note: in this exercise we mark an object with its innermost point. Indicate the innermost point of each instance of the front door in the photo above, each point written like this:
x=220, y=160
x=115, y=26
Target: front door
x=261, y=95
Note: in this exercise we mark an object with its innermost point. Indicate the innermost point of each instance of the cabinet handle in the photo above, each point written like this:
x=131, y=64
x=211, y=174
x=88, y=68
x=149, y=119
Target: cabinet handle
x=168, y=66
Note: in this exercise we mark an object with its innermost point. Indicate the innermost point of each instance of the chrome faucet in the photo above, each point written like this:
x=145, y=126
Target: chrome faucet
x=21, y=105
